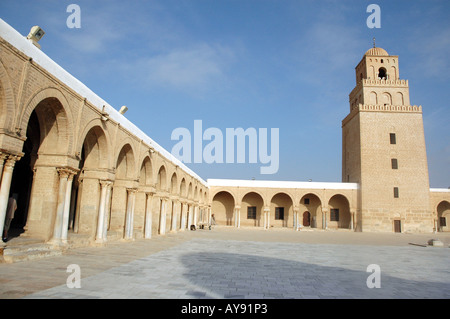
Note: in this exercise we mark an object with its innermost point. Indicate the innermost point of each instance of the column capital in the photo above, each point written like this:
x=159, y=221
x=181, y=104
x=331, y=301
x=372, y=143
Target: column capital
x=131, y=190
x=66, y=172
x=63, y=172
x=105, y=183
x=3, y=156
x=11, y=160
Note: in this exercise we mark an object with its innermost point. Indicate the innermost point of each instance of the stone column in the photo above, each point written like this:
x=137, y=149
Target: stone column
x=57, y=228
x=5, y=187
x=297, y=223
x=162, y=225
x=183, y=216
x=352, y=219
x=266, y=217
x=237, y=210
x=174, y=215
x=195, y=215
x=101, y=225
x=3, y=158
x=190, y=209
x=148, y=215
x=65, y=221
x=324, y=219
x=107, y=210
x=129, y=219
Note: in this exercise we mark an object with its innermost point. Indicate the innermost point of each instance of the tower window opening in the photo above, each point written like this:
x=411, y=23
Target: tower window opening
x=396, y=192
x=382, y=73
x=394, y=163
x=392, y=138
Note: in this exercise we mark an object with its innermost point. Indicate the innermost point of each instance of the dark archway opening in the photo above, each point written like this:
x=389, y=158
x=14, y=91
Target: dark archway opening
x=382, y=73
x=22, y=178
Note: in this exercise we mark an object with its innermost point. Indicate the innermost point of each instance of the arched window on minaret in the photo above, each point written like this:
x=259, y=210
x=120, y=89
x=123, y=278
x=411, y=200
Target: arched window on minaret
x=382, y=74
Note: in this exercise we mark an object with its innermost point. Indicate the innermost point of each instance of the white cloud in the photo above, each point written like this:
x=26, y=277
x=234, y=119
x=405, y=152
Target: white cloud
x=434, y=50
x=193, y=69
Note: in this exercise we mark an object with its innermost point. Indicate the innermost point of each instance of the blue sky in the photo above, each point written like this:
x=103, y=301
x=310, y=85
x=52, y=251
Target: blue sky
x=248, y=63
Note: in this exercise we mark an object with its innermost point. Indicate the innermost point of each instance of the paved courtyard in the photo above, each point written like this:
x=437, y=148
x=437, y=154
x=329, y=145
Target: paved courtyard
x=246, y=263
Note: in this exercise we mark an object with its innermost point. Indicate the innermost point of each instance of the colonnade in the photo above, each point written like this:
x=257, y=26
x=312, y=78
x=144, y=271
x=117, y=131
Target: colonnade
x=297, y=220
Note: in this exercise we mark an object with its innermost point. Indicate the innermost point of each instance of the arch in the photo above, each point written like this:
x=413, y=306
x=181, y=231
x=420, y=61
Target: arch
x=200, y=195
x=252, y=191
x=161, y=179
x=7, y=100
x=95, y=148
x=393, y=73
x=195, y=193
x=386, y=99
x=443, y=215
x=228, y=191
x=49, y=131
x=281, y=209
x=252, y=209
x=373, y=98
x=183, y=188
x=189, y=191
x=339, y=212
x=382, y=73
x=222, y=207
x=399, y=100
x=173, y=184
x=146, y=173
x=125, y=165
x=312, y=203
x=55, y=118
x=285, y=193
x=372, y=72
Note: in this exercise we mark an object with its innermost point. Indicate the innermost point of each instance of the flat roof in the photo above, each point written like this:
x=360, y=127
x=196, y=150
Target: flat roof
x=280, y=184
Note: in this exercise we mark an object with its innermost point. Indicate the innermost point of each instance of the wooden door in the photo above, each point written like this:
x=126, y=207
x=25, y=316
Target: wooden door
x=397, y=226
x=306, y=219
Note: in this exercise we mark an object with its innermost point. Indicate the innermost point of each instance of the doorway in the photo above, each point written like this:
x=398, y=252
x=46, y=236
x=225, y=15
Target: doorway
x=397, y=226
x=306, y=219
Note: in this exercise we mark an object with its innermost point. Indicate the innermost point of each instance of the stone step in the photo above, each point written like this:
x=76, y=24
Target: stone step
x=29, y=252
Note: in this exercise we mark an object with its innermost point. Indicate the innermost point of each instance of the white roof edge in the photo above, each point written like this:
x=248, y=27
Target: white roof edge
x=440, y=190
x=281, y=184
x=20, y=42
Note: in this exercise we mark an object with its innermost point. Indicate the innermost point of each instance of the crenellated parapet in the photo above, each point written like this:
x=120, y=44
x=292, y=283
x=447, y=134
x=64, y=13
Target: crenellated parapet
x=382, y=108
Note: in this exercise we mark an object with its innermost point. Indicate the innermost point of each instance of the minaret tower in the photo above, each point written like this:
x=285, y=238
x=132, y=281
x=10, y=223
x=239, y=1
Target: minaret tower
x=383, y=149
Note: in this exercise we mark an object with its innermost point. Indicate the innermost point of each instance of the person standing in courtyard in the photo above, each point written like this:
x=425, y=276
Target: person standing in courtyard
x=213, y=220
x=10, y=210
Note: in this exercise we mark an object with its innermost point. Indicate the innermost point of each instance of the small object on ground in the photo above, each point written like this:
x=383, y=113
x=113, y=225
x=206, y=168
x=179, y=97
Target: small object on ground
x=435, y=243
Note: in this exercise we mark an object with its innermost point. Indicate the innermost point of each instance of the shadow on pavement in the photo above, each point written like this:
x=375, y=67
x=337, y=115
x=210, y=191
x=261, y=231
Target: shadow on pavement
x=228, y=275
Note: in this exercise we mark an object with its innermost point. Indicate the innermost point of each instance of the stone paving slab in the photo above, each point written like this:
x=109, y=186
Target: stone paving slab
x=238, y=264
x=235, y=269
